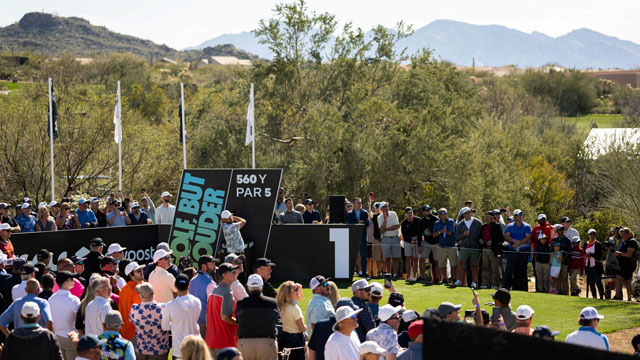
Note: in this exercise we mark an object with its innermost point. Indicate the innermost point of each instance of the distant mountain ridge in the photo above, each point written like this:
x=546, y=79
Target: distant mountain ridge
x=495, y=45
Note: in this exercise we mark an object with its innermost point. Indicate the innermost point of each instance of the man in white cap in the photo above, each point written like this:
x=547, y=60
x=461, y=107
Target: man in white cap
x=31, y=341
x=344, y=343
x=320, y=306
x=231, y=226
x=164, y=214
x=137, y=217
x=369, y=350
x=587, y=334
x=386, y=334
x=163, y=282
x=257, y=316
x=116, y=251
x=361, y=290
x=101, y=216
x=524, y=316
x=6, y=247
x=26, y=221
x=129, y=296
x=5, y=218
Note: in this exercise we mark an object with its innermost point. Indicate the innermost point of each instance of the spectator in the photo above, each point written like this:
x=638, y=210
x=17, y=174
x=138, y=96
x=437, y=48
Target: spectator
x=299, y=208
x=101, y=217
x=569, y=232
x=86, y=217
x=635, y=342
x=311, y=215
x=108, y=269
x=90, y=347
x=576, y=265
x=118, y=215
x=562, y=284
x=129, y=296
x=491, y=238
x=137, y=216
x=27, y=273
x=92, y=261
x=65, y=220
x=374, y=301
x=410, y=229
x=5, y=240
x=199, y=287
x=361, y=294
x=587, y=334
x=356, y=216
x=502, y=309
x=5, y=218
x=524, y=316
x=64, y=308
x=45, y=222
x=396, y=299
x=97, y=309
x=428, y=245
x=406, y=318
x=386, y=334
x=231, y=226
x=237, y=288
x=323, y=329
x=152, y=343
x=343, y=344
x=257, y=316
x=449, y=312
x=290, y=216
x=334, y=293
x=369, y=350
x=468, y=236
x=116, y=346
x=628, y=264
x=376, y=239
x=78, y=267
x=280, y=203
x=26, y=221
x=47, y=281
x=31, y=341
x=544, y=228
x=180, y=315
x=544, y=332
x=320, y=306
x=148, y=207
x=542, y=263
x=164, y=214
x=293, y=329
x=518, y=235
x=163, y=282
x=230, y=353
x=593, y=265
x=54, y=209
x=222, y=327
x=12, y=314
x=116, y=251
x=389, y=225
x=414, y=351
x=193, y=347
x=173, y=269
x=444, y=230
x=263, y=267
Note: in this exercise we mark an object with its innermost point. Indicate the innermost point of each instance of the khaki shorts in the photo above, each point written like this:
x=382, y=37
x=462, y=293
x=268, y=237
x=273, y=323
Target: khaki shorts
x=391, y=247
x=411, y=250
x=444, y=253
x=428, y=249
x=376, y=248
x=468, y=253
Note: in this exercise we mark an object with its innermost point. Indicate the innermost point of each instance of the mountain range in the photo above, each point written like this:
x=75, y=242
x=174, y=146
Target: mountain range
x=494, y=45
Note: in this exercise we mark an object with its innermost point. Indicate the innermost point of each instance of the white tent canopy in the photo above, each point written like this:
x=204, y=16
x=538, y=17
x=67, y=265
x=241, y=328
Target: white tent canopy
x=601, y=141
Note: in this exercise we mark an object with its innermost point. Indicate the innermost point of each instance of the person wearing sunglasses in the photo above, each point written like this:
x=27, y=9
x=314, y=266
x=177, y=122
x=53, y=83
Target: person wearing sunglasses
x=320, y=306
x=163, y=281
x=238, y=290
x=444, y=230
x=386, y=334
x=361, y=290
x=222, y=327
x=344, y=343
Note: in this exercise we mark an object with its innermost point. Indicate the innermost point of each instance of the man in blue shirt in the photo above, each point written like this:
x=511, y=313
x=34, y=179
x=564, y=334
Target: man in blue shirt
x=86, y=217
x=198, y=288
x=444, y=230
x=518, y=235
x=12, y=314
x=26, y=221
x=360, y=216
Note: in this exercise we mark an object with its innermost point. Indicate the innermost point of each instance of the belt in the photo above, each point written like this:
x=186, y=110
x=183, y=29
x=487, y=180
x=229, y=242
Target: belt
x=257, y=337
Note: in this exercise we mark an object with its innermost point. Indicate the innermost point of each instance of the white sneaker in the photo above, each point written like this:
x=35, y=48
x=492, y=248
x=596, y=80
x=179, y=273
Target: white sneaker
x=457, y=283
x=473, y=284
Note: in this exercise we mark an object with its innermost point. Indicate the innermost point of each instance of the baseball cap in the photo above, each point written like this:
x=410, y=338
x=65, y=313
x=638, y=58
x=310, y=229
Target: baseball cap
x=517, y=212
x=263, y=262
x=556, y=244
x=115, y=202
x=43, y=254
x=135, y=204
x=163, y=245
x=426, y=208
x=95, y=200
x=225, y=214
x=81, y=201
x=161, y=253
x=376, y=289
x=30, y=310
x=96, y=242
x=113, y=319
x=165, y=193
x=41, y=205
x=490, y=213
x=63, y=276
x=370, y=347
x=387, y=311
x=106, y=260
x=408, y=209
x=114, y=248
x=132, y=266
x=54, y=203
x=344, y=312
x=415, y=329
x=226, y=267
x=542, y=216
x=308, y=201
x=590, y=313
x=465, y=209
x=228, y=353
x=524, y=312
x=541, y=235
x=496, y=212
x=5, y=226
x=89, y=342
x=410, y=315
x=360, y=285
x=3, y=205
x=431, y=313
x=565, y=219
x=255, y=281
x=317, y=281
x=25, y=206
x=231, y=258
x=28, y=268
x=575, y=239
x=18, y=263
x=447, y=308
x=558, y=227
x=182, y=282
x=77, y=260
x=207, y=259
x=544, y=332
x=383, y=204
x=591, y=231
x=511, y=219
x=503, y=295
x=347, y=302
x=396, y=299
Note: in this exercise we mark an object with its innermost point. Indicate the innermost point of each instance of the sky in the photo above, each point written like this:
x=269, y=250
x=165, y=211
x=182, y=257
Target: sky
x=183, y=23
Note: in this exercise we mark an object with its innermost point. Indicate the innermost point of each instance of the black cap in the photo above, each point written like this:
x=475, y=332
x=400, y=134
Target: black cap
x=182, y=282
x=559, y=227
x=473, y=211
x=468, y=202
x=431, y=313
x=565, y=219
x=77, y=260
x=3, y=205
x=503, y=295
x=43, y=254
x=105, y=260
x=490, y=213
x=308, y=201
x=225, y=267
x=396, y=299
x=635, y=341
x=207, y=259
x=115, y=202
x=18, y=263
x=496, y=212
x=96, y=242
x=408, y=209
x=544, y=332
x=89, y=342
x=263, y=262
x=64, y=276
x=28, y=268
x=426, y=208
x=228, y=353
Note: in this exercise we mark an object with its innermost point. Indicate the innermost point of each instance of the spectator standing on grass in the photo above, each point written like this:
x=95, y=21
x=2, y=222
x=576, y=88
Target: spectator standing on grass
x=376, y=240
x=173, y=269
x=12, y=313
x=518, y=235
x=238, y=290
x=412, y=236
x=163, y=282
x=374, y=301
x=569, y=231
x=444, y=231
x=562, y=282
x=449, y=312
x=27, y=273
x=148, y=207
x=389, y=228
x=361, y=290
x=129, y=296
x=628, y=264
x=369, y=350
x=101, y=216
x=502, y=308
x=542, y=227
x=319, y=307
x=199, y=285
x=491, y=239
x=31, y=341
x=524, y=316
x=64, y=308
x=263, y=267
x=257, y=316
x=428, y=245
x=344, y=343
x=26, y=221
x=358, y=216
x=293, y=329
x=576, y=265
x=97, y=309
x=152, y=343
x=222, y=327
x=386, y=334
x=323, y=329
x=542, y=263
x=290, y=216
x=593, y=265
x=468, y=237
x=92, y=261
x=116, y=346
x=587, y=334
x=180, y=315
x=164, y=213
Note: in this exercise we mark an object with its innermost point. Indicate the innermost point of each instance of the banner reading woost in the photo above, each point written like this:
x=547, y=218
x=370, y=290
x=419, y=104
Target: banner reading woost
x=205, y=193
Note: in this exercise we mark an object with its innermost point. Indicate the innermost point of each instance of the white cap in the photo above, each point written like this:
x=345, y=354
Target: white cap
x=590, y=313
x=575, y=239
x=95, y=200
x=376, y=289
x=383, y=204
x=255, y=281
x=517, y=212
x=370, y=347
x=26, y=199
x=464, y=210
x=135, y=204
x=131, y=267
x=409, y=315
x=82, y=201
x=41, y=205
x=541, y=235
x=114, y=248
x=225, y=214
x=524, y=312
x=25, y=206
x=359, y=285
x=388, y=311
x=542, y=216
x=53, y=203
x=344, y=312
x=159, y=254
x=591, y=231
x=30, y=310
x=165, y=193
x=5, y=226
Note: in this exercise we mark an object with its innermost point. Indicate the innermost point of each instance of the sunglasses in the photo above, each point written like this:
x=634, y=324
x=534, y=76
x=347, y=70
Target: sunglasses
x=325, y=284
x=367, y=290
x=168, y=257
x=238, y=262
x=353, y=316
x=79, y=263
x=395, y=317
x=443, y=213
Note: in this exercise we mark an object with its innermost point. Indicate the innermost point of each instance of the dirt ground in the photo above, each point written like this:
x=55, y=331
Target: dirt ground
x=620, y=341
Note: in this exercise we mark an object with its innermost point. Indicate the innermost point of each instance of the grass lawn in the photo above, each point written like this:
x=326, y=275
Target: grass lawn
x=603, y=120
x=557, y=311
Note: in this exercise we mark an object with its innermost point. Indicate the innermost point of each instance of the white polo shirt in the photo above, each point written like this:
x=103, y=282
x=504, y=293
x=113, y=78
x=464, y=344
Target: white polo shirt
x=392, y=220
x=589, y=337
x=64, y=308
x=164, y=285
x=95, y=313
x=342, y=347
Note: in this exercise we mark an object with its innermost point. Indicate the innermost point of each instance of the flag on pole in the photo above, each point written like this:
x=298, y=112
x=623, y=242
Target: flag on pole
x=117, y=119
x=250, y=137
x=180, y=119
x=54, y=115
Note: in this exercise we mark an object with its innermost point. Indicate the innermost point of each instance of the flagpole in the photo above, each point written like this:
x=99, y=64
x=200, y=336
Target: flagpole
x=253, y=131
x=184, y=128
x=120, y=145
x=53, y=181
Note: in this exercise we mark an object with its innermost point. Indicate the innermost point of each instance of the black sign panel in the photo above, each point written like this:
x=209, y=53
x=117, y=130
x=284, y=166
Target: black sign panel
x=205, y=193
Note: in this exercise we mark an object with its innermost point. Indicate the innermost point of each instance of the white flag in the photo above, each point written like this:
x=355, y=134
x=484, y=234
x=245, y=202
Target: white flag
x=250, y=121
x=117, y=118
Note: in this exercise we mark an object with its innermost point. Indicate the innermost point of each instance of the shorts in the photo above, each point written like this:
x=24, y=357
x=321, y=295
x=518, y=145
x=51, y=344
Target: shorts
x=391, y=247
x=444, y=253
x=627, y=268
x=376, y=249
x=410, y=250
x=469, y=253
x=428, y=249
x=555, y=271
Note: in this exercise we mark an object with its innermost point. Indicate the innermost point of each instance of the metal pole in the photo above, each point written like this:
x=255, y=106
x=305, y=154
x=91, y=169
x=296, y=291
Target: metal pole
x=253, y=130
x=53, y=181
x=184, y=127
x=120, y=143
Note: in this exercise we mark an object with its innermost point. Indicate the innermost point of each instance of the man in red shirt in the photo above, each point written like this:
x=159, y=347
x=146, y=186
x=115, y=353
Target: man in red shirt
x=5, y=243
x=222, y=327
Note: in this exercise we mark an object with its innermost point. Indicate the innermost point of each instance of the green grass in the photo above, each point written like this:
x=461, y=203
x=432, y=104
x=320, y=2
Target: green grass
x=557, y=311
x=6, y=85
x=603, y=120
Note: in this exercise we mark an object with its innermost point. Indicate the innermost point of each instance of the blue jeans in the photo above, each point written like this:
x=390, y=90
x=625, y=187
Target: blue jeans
x=363, y=253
